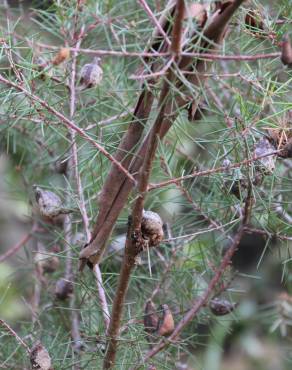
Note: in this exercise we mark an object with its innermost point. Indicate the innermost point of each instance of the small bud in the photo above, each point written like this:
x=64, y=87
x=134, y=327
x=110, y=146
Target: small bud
x=63, y=289
x=49, y=203
x=221, y=307
x=39, y=357
x=91, y=74
x=63, y=54
x=150, y=317
x=152, y=228
x=166, y=322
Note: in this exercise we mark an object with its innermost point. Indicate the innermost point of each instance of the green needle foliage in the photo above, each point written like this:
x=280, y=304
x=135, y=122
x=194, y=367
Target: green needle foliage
x=241, y=103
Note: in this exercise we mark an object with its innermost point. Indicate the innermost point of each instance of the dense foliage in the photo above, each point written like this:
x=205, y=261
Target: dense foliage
x=242, y=110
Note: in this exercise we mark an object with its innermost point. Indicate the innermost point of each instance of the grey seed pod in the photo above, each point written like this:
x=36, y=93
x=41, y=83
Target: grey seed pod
x=49, y=204
x=221, y=307
x=63, y=289
x=262, y=147
x=39, y=357
x=152, y=228
x=226, y=163
x=91, y=74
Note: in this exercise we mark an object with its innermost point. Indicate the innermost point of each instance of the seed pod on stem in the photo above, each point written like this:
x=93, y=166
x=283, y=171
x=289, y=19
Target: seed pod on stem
x=221, y=307
x=150, y=317
x=166, y=322
x=152, y=228
x=253, y=20
x=63, y=289
x=91, y=74
x=49, y=204
x=63, y=54
x=45, y=262
x=39, y=357
x=286, y=51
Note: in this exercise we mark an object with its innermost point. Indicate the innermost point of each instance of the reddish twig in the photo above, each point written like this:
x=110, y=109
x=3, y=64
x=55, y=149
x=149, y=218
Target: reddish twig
x=178, y=28
x=12, y=250
x=153, y=19
x=145, y=54
x=15, y=335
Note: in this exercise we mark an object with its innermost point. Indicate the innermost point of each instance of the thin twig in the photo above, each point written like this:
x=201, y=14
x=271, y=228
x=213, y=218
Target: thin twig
x=202, y=56
x=72, y=174
x=69, y=124
x=109, y=120
x=85, y=219
x=15, y=335
x=102, y=296
x=12, y=250
x=209, y=172
x=153, y=19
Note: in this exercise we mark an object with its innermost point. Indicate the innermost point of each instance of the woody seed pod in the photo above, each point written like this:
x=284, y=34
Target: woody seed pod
x=45, y=262
x=253, y=20
x=39, y=357
x=166, y=323
x=63, y=54
x=49, y=203
x=286, y=151
x=63, y=289
x=263, y=147
x=91, y=74
x=150, y=317
x=152, y=228
x=286, y=51
x=221, y=307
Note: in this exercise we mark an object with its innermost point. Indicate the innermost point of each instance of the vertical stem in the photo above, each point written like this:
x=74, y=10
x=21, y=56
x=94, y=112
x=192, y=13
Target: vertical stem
x=133, y=242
